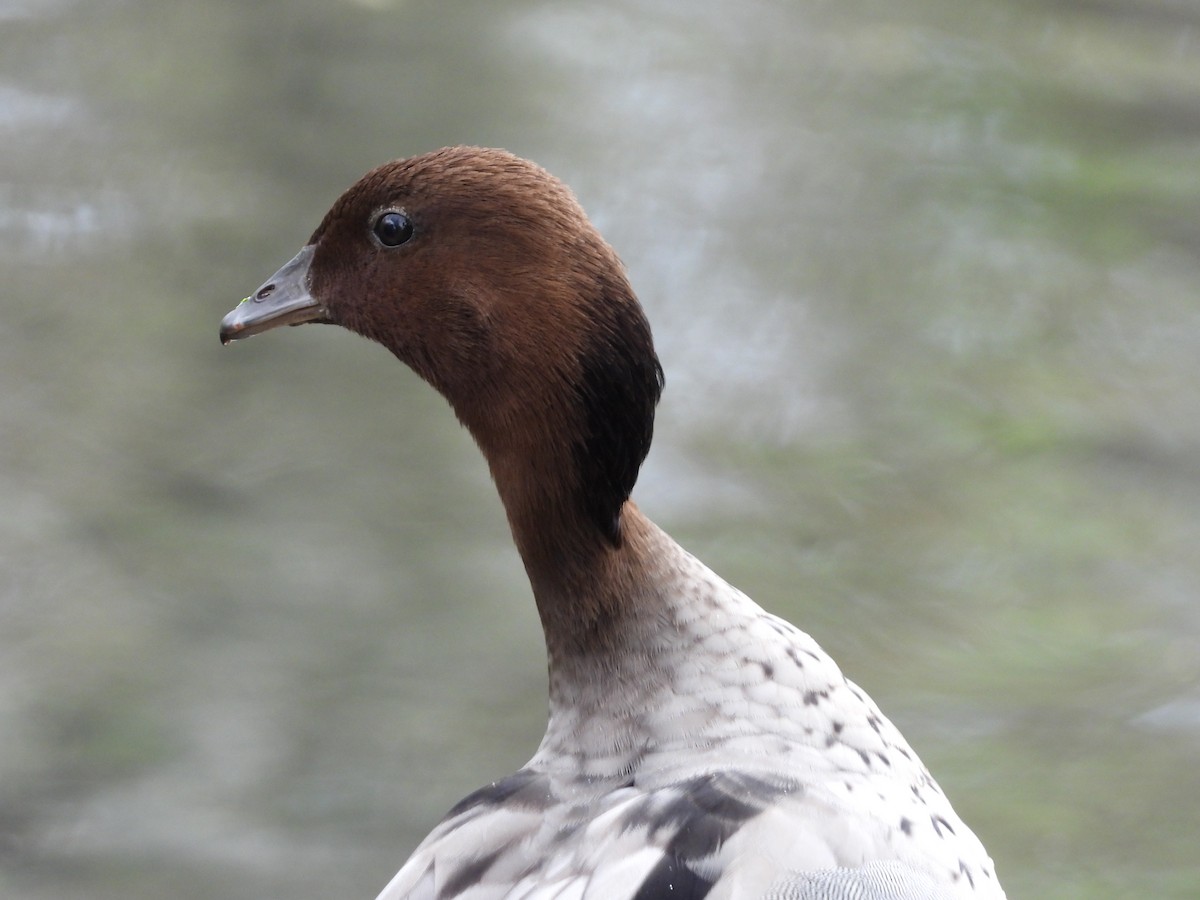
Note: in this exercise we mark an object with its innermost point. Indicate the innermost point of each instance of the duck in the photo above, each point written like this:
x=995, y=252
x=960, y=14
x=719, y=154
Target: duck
x=696, y=746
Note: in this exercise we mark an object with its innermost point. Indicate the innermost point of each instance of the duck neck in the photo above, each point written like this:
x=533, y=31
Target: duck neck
x=611, y=613
x=584, y=583
x=564, y=439
x=614, y=628
x=602, y=608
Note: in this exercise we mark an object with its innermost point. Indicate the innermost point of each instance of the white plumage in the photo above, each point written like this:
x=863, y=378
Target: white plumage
x=731, y=749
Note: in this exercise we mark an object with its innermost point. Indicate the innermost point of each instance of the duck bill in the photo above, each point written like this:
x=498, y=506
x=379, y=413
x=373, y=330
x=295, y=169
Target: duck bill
x=285, y=299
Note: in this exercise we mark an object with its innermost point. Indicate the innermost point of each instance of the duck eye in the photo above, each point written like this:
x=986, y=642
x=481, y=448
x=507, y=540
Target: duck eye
x=393, y=228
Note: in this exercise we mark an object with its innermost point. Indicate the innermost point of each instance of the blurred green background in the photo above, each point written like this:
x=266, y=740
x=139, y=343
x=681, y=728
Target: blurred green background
x=925, y=279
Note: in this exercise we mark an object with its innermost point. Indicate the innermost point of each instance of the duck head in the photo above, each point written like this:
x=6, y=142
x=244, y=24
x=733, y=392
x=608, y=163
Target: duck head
x=482, y=273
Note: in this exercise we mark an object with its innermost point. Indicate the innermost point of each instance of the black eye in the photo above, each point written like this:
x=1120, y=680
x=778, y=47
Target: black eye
x=393, y=229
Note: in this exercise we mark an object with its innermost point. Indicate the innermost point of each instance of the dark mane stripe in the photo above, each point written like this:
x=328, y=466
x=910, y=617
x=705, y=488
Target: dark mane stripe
x=619, y=388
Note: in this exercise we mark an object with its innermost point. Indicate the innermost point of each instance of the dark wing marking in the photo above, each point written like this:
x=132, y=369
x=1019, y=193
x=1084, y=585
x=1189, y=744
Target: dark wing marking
x=525, y=789
x=700, y=815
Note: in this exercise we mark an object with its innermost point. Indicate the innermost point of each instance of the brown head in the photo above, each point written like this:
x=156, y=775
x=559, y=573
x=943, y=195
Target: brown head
x=481, y=271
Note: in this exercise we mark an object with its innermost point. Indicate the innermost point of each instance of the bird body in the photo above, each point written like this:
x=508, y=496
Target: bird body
x=697, y=746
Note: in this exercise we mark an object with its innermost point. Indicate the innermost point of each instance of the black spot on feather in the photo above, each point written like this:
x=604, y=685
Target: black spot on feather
x=672, y=878
x=964, y=869
x=939, y=823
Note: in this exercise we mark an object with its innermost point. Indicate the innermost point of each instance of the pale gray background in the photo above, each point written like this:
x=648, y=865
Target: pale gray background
x=924, y=276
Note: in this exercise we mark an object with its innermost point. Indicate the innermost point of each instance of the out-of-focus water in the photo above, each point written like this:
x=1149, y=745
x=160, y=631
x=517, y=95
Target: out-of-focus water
x=924, y=276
